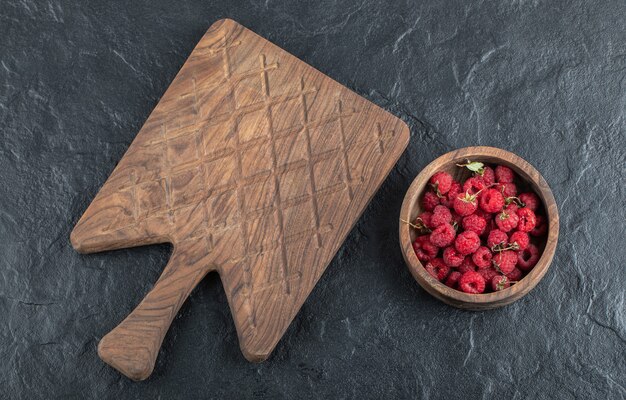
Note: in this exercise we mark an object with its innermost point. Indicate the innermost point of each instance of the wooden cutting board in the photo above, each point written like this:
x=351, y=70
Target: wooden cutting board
x=254, y=165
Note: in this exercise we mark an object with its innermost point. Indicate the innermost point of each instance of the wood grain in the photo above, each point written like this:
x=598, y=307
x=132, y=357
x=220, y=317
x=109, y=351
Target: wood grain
x=411, y=208
x=253, y=164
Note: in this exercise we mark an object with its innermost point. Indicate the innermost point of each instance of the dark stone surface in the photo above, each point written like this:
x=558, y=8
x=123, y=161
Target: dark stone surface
x=544, y=79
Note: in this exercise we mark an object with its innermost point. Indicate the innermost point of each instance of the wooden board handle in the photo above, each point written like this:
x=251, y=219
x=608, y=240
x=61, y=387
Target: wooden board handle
x=132, y=347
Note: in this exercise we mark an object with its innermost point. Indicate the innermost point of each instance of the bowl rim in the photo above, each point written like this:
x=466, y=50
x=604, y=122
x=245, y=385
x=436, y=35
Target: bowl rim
x=484, y=300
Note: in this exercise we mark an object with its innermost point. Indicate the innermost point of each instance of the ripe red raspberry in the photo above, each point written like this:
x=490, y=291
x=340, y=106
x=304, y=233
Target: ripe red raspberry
x=467, y=265
x=453, y=279
x=515, y=275
x=455, y=188
x=474, y=184
x=472, y=282
x=541, y=227
x=507, y=221
x=474, y=223
x=467, y=242
x=448, y=199
x=451, y=257
x=443, y=235
x=437, y=269
x=504, y=174
x=499, y=282
x=482, y=257
x=423, y=220
x=528, y=258
x=441, y=215
x=441, y=182
x=527, y=219
x=505, y=261
x=530, y=200
x=489, y=176
x=424, y=250
x=430, y=201
x=496, y=237
x=488, y=273
x=491, y=201
x=520, y=240
x=508, y=189
x=465, y=204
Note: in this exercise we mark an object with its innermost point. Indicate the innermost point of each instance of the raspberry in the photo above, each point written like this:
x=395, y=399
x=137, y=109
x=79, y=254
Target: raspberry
x=451, y=257
x=441, y=215
x=467, y=242
x=437, y=269
x=483, y=206
x=504, y=174
x=443, y=235
x=489, y=177
x=465, y=204
x=491, y=201
x=527, y=219
x=454, y=191
x=474, y=223
x=515, y=275
x=530, y=200
x=482, y=257
x=505, y=261
x=424, y=250
x=496, y=237
x=488, y=273
x=528, y=258
x=499, y=282
x=474, y=185
x=453, y=279
x=423, y=220
x=429, y=201
x=507, y=220
x=472, y=282
x=541, y=227
x=441, y=182
x=507, y=189
x=520, y=240
x=467, y=265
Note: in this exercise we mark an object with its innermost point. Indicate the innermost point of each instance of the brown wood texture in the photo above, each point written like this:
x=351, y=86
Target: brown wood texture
x=254, y=165
x=411, y=208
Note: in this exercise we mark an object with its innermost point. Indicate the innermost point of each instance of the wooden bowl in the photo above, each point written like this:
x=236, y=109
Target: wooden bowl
x=411, y=207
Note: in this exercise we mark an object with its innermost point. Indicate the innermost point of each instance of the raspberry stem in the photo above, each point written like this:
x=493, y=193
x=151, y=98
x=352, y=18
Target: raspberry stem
x=500, y=248
x=513, y=199
x=502, y=282
x=412, y=225
x=470, y=198
x=436, y=188
x=421, y=227
x=496, y=247
x=497, y=267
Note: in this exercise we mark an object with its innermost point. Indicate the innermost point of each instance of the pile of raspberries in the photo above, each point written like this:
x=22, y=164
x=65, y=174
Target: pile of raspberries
x=475, y=236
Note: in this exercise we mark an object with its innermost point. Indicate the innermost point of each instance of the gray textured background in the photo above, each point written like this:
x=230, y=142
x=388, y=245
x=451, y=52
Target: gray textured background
x=544, y=79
